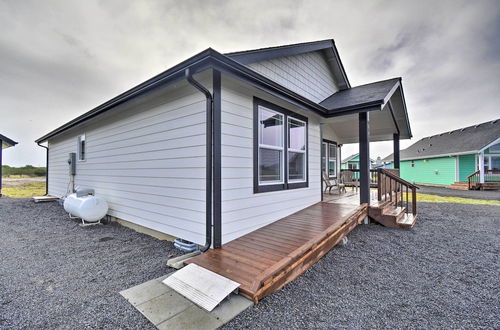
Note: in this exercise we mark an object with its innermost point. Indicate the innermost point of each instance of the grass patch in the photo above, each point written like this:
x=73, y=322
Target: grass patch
x=458, y=200
x=25, y=191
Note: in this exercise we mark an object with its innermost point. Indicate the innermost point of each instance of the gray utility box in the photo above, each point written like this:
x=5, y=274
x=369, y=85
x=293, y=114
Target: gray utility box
x=72, y=163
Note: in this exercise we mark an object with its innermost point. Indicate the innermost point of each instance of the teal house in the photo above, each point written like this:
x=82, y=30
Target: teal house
x=452, y=157
x=352, y=162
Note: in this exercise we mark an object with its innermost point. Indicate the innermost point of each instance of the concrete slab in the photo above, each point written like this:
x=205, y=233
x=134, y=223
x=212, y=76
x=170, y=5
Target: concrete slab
x=164, y=307
x=145, y=291
x=192, y=318
x=231, y=307
x=167, y=309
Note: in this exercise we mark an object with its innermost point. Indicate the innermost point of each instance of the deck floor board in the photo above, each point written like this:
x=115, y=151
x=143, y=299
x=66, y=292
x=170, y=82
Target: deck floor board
x=266, y=259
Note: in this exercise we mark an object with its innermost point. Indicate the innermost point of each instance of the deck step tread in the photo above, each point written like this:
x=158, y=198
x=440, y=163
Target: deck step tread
x=395, y=211
x=407, y=221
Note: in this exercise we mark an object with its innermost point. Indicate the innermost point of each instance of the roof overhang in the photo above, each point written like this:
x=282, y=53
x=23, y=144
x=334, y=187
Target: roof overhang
x=211, y=59
x=386, y=105
x=6, y=142
x=208, y=59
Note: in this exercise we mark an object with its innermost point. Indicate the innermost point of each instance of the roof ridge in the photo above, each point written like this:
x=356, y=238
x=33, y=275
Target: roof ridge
x=461, y=129
x=376, y=82
x=278, y=47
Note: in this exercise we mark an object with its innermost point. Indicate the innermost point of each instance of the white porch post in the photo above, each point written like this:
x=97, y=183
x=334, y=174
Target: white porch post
x=481, y=167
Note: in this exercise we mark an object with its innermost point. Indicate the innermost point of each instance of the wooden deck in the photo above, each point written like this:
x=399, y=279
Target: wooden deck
x=264, y=260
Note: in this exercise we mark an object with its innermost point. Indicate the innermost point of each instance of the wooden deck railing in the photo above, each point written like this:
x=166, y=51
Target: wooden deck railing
x=473, y=180
x=391, y=187
x=373, y=175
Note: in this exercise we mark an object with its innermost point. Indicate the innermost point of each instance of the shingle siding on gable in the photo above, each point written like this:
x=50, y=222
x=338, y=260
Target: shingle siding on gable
x=306, y=74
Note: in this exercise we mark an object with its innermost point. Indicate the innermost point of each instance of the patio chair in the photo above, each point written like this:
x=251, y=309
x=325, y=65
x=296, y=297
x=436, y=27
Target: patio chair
x=349, y=180
x=330, y=184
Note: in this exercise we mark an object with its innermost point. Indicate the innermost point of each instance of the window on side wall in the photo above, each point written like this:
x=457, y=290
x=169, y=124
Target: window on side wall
x=332, y=160
x=495, y=148
x=280, y=142
x=81, y=147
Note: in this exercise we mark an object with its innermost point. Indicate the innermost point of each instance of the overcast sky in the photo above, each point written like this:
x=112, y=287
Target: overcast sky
x=59, y=59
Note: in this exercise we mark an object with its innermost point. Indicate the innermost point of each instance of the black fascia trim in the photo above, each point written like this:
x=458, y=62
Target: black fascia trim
x=217, y=160
x=3, y=138
x=257, y=55
x=389, y=104
x=173, y=74
x=285, y=185
x=410, y=135
x=341, y=65
x=202, y=61
x=355, y=110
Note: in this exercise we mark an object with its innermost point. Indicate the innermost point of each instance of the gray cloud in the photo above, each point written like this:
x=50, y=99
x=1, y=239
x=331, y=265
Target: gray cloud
x=62, y=58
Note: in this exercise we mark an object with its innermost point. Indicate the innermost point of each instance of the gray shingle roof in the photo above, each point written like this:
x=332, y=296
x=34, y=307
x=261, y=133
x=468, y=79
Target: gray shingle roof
x=369, y=94
x=468, y=139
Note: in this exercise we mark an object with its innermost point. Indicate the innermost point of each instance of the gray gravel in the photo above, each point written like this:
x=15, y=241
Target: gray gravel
x=443, y=273
x=475, y=194
x=55, y=274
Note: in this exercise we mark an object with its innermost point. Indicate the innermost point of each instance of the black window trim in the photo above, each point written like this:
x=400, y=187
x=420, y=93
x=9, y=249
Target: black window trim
x=287, y=113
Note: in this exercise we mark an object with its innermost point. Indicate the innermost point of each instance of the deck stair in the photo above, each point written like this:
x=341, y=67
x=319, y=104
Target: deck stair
x=390, y=215
x=396, y=205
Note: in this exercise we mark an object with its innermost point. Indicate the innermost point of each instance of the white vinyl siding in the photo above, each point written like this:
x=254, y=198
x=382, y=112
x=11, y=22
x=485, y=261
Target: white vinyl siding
x=306, y=74
x=242, y=210
x=147, y=161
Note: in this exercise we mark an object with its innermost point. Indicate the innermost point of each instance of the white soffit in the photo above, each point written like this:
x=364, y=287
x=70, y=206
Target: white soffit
x=202, y=286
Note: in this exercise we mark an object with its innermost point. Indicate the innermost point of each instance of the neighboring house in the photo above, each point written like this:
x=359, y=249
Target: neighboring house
x=352, y=162
x=450, y=157
x=223, y=144
x=5, y=143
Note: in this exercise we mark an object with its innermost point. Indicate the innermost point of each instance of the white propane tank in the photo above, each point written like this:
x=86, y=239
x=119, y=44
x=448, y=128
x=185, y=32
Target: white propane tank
x=89, y=208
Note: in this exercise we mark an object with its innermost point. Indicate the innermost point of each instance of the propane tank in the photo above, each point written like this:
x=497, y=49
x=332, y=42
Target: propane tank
x=88, y=208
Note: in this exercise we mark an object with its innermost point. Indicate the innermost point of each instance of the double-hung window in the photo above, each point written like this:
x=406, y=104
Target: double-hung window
x=280, y=148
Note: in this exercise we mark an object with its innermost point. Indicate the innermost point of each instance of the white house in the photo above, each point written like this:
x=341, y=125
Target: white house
x=223, y=144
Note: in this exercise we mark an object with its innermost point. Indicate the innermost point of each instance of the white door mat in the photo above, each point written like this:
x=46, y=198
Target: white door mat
x=202, y=286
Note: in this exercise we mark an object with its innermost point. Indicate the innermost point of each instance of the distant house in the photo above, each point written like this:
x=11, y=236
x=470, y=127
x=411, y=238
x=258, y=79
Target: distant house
x=352, y=162
x=449, y=158
x=221, y=145
x=5, y=142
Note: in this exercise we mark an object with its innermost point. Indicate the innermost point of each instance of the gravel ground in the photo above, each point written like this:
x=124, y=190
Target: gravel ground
x=475, y=194
x=443, y=273
x=55, y=274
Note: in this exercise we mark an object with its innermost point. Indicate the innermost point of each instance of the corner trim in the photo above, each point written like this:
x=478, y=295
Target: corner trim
x=217, y=160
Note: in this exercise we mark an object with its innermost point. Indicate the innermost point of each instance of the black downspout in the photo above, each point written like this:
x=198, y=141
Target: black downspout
x=46, y=168
x=209, y=102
